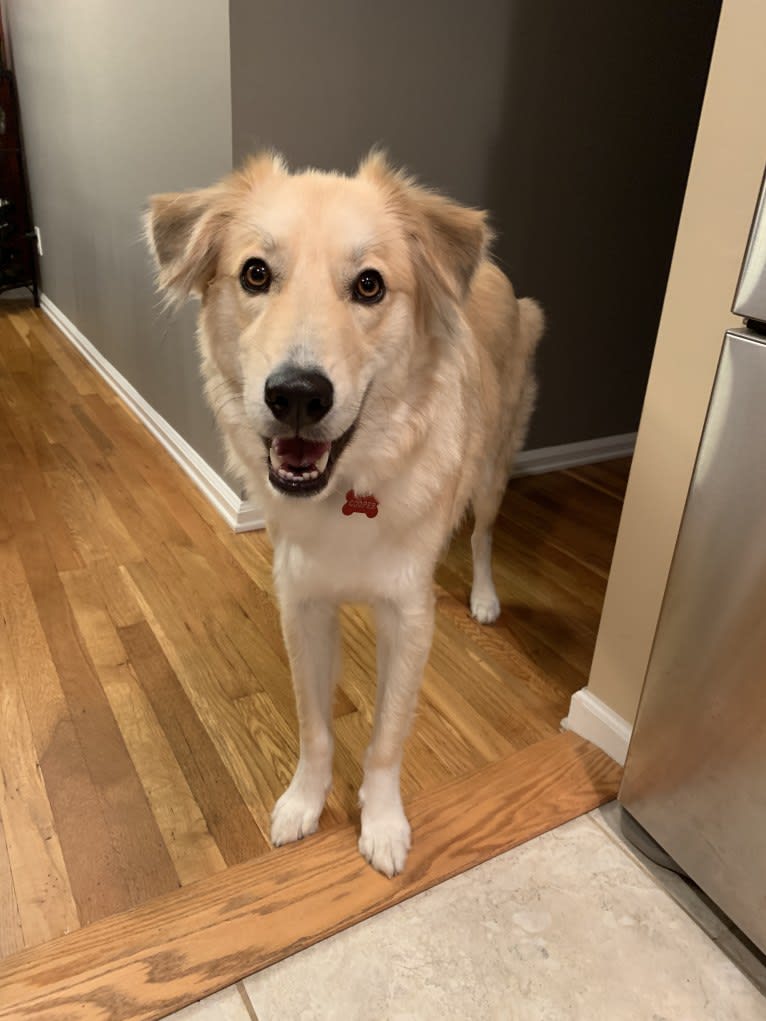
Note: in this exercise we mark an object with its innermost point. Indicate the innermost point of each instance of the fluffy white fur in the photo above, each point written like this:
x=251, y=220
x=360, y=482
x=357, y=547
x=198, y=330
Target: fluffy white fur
x=439, y=375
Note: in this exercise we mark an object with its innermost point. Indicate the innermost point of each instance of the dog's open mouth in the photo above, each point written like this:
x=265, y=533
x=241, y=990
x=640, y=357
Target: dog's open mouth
x=302, y=467
x=297, y=465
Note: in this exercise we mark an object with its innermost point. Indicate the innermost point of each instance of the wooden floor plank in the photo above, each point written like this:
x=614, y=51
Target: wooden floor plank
x=191, y=847
x=575, y=519
x=223, y=808
x=59, y=538
x=93, y=864
x=36, y=901
x=551, y=614
x=144, y=859
x=90, y=517
x=14, y=505
x=11, y=934
x=177, y=949
x=608, y=476
x=117, y=596
x=502, y=646
x=73, y=366
x=207, y=682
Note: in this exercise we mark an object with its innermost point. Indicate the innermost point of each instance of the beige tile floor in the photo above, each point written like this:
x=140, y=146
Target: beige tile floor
x=571, y=925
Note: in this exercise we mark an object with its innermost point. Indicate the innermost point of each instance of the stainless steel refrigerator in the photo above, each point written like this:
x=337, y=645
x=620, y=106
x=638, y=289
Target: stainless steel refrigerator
x=695, y=776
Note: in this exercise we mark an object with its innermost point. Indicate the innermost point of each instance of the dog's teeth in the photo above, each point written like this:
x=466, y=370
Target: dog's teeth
x=308, y=475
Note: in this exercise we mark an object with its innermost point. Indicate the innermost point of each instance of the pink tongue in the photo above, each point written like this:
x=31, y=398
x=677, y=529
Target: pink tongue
x=300, y=453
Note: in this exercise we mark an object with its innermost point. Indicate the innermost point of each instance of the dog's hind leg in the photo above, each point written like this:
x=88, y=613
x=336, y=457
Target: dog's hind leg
x=404, y=633
x=312, y=636
x=485, y=606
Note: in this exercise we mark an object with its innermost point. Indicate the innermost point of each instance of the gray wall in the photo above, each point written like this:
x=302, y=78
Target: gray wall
x=572, y=122
x=120, y=100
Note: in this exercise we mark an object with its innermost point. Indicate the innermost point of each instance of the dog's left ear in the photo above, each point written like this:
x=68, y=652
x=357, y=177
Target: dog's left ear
x=453, y=238
x=449, y=239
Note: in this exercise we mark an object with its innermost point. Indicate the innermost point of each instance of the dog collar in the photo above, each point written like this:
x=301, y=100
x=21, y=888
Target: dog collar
x=363, y=504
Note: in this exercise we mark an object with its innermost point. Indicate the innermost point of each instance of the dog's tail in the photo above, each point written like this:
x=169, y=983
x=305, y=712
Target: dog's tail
x=532, y=323
x=532, y=326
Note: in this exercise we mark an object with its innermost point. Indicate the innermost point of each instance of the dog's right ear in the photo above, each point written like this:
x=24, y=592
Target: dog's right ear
x=182, y=231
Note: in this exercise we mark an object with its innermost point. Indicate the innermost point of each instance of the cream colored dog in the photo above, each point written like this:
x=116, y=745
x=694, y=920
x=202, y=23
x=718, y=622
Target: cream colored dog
x=371, y=371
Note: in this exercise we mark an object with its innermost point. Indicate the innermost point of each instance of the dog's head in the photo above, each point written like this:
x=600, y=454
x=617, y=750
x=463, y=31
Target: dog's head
x=323, y=296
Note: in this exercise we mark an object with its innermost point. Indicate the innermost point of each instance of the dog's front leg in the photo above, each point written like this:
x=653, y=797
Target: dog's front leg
x=312, y=637
x=405, y=630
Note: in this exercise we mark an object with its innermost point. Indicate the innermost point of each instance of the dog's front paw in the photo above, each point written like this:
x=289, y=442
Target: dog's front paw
x=296, y=814
x=385, y=841
x=485, y=607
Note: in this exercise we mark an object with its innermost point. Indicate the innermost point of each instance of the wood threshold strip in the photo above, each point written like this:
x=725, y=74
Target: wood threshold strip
x=142, y=964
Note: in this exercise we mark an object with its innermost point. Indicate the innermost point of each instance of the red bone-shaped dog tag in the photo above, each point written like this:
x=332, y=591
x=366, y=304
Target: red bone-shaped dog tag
x=360, y=505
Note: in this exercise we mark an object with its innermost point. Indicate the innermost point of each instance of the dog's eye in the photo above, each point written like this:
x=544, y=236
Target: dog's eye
x=255, y=276
x=368, y=287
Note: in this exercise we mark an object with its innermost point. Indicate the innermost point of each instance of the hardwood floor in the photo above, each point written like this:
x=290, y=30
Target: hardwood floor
x=146, y=713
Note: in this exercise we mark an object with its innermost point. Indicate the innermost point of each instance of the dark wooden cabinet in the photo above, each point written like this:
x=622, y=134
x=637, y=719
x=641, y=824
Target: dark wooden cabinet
x=18, y=251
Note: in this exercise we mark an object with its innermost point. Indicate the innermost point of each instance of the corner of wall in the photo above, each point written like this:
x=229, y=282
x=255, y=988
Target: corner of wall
x=596, y=722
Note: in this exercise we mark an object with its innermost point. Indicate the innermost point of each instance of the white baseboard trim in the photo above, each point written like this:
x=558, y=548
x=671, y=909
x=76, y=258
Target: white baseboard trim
x=241, y=515
x=594, y=720
x=569, y=455
x=249, y=517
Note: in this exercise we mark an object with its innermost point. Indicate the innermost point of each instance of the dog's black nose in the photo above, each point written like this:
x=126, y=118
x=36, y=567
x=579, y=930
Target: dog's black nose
x=297, y=396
